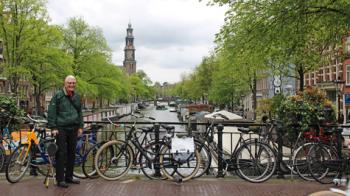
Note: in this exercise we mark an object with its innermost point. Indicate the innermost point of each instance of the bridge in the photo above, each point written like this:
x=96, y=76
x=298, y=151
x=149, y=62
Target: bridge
x=141, y=186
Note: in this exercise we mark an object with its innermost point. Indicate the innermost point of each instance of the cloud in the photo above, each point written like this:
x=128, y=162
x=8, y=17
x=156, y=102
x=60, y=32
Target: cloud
x=171, y=36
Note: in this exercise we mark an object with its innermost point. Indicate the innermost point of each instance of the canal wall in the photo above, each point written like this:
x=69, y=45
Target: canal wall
x=112, y=112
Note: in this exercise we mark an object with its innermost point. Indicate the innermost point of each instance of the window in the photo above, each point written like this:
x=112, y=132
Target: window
x=347, y=74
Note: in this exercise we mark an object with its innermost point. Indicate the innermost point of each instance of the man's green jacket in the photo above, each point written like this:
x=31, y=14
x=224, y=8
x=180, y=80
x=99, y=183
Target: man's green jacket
x=61, y=112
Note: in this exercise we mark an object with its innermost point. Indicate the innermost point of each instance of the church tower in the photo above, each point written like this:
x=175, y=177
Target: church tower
x=129, y=63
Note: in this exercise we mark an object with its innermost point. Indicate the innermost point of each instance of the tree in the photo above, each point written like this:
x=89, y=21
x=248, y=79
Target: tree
x=45, y=63
x=18, y=20
x=228, y=82
x=91, y=61
x=141, y=85
x=286, y=32
x=204, y=74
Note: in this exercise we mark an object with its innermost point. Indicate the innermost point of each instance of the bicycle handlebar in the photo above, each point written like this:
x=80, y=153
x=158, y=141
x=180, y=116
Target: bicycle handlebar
x=36, y=121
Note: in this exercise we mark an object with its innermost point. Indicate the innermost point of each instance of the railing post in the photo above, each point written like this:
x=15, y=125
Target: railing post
x=156, y=133
x=339, y=142
x=279, y=149
x=220, y=174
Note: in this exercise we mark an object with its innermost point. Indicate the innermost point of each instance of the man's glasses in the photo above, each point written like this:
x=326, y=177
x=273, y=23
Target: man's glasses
x=71, y=82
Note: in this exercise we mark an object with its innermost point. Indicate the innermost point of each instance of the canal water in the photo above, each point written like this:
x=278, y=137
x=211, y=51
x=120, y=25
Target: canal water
x=163, y=116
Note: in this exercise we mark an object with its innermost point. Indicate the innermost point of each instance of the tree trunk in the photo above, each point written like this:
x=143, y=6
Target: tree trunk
x=101, y=103
x=38, y=109
x=301, y=78
x=254, y=99
x=37, y=102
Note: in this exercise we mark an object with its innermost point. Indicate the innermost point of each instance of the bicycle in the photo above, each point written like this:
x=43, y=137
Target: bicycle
x=7, y=144
x=110, y=150
x=88, y=166
x=326, y=161
x=85, y=143
x=296, y=162
x=251, y=160
x=23, y=156
x=116, y=164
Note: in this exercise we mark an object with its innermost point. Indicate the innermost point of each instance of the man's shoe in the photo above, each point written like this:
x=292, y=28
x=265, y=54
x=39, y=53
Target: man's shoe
x=62, y=184
x=72, y=181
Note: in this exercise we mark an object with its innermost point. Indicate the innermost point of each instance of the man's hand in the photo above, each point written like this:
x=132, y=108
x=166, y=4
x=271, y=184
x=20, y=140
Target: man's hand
x=80, y=131
x=54, y=132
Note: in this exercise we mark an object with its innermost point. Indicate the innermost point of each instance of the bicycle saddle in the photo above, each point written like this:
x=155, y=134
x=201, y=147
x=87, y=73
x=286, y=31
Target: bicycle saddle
x=146, y=129
x=243, y=129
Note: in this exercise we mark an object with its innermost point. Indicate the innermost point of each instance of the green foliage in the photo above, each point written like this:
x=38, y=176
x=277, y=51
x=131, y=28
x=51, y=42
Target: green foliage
x=9, y=111
x=140, y=85
x=305, y=110
x=19, y=23
x=303, y=33
x=96, y=76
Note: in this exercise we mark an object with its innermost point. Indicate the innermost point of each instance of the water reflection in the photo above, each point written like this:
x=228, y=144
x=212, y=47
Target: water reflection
x=163, y=116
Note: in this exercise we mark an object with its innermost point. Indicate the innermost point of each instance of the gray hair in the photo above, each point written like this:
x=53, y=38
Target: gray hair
x=69, y=77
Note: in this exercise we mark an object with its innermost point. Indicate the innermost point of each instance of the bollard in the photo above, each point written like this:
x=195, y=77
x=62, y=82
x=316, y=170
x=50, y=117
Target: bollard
x=339, y=151
x=280, y=150
x=156, y=133
x=220, y=174
x=339, y=142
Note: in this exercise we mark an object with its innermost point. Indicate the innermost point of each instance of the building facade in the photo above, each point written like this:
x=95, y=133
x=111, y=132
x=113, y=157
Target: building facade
x=334, y=79
x=129, y=62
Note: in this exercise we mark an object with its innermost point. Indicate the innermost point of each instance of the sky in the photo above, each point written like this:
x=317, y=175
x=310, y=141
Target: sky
x=171, y=36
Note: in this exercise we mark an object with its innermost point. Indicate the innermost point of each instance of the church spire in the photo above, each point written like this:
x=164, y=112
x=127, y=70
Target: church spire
x=129, y=51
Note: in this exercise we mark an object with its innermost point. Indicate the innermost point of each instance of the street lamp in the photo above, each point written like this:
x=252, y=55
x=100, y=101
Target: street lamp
x=338, y=82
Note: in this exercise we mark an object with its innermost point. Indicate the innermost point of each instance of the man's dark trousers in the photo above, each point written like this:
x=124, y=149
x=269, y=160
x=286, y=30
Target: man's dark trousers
x=66, y=141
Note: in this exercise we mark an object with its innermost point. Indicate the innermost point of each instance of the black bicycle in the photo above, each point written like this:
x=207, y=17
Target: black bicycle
x=252, y=160
x=154, y=159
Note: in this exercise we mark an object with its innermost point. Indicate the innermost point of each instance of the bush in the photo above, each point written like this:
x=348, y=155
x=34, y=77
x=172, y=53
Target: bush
x=269, y=107
x=305, y=110
x=9, y=111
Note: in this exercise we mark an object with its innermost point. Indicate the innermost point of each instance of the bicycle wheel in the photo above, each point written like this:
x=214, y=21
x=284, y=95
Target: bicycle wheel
x=88, y=165
x=300, y=161
x=184, y=169
x=113, y=164
x=2, y=157
x=18, y=163
x=205, y=162
x=82, y=149
x=323, y=163
x=149, y=163
x=256, y=162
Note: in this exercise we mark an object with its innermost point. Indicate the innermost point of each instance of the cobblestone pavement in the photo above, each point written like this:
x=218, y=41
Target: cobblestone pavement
x=33, y=186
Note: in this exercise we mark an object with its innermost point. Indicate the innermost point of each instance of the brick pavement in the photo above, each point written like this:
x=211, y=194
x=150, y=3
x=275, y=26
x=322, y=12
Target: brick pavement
x=33, y=186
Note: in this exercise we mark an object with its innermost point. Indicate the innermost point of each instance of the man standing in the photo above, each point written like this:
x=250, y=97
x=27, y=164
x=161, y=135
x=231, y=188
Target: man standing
x=66, y=122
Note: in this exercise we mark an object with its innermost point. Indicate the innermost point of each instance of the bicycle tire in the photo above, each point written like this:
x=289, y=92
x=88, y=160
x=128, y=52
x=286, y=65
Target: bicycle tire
x=88, y=165
x=122, y=158
x=80, y=157
x=2, y=157
x=300, y=162
x=168, y=163
x=253, y=156
x=323, y=163
x=206, y=158
x=18, y=160
x=151, y=169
